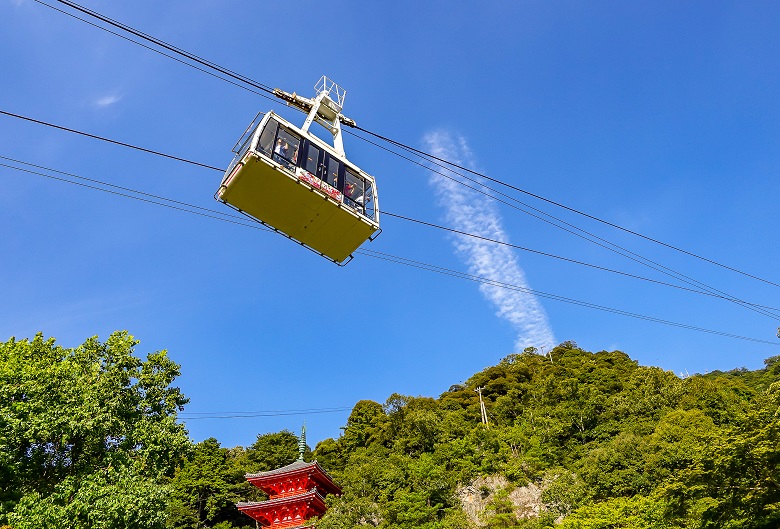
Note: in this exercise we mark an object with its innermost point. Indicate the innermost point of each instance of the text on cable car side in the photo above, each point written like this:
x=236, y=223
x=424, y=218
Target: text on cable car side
x=299, y=185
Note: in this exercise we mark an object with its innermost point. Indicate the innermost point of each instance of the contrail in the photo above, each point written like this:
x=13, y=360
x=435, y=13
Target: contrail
x=473, y=213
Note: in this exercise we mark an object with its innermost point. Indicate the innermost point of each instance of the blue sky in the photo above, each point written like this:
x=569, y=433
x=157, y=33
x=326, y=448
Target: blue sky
x=662, y=117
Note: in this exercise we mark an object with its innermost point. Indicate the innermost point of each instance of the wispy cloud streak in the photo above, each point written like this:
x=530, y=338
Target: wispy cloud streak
x=107, y=101
x=473, y=213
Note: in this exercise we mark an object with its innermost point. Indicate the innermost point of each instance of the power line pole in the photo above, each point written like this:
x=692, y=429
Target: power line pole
x=482, y=409
x=544, y=353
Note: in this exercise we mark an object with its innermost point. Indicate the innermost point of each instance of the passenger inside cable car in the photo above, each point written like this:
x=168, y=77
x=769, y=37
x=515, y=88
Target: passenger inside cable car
x=322, y=168
x=252, y=187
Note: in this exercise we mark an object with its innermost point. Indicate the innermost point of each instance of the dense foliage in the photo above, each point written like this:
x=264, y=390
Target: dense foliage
x=89, y=438
x=604, y=442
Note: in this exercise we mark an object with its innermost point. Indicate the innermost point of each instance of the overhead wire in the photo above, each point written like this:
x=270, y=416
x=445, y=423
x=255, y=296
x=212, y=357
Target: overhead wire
x=390, y=214
x=454, y=273
x=234, y=83
x=554, y=256
x=383, y=256
x=194, y=416
x=158, y=42
x=244, y=412
x=425, y=155
x=569, y=228
x=139, y=195
x=761, y=309
x=431, y=157
x=109, y=140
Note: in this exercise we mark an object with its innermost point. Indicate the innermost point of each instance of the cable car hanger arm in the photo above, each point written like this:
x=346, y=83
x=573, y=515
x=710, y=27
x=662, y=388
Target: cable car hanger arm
x=304, y=104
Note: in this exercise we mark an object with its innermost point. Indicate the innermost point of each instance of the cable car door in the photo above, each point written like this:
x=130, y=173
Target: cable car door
x=313, y=162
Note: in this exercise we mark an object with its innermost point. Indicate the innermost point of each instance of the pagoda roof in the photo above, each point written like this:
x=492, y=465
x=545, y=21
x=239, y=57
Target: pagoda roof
x=291, y=468
x=310, y=495
x=299, y=509
x=294, y=469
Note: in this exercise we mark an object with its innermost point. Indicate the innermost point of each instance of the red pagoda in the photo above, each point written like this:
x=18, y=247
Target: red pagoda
x=296, y=493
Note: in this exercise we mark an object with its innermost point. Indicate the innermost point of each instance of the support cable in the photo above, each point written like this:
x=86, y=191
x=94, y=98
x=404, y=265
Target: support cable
x=700, y=287
x=211, y=212
x=109, y=140
x=461, y=275
x=207, y=72
x=425, y=155
x=192, y=416
x=142, y=197
x=430, y=157
x=158, y=42
x=563, y=225
x=569, y=260
x=405, y=261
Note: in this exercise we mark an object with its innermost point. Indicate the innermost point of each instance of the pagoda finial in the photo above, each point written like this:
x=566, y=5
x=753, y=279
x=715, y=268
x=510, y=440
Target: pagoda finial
x=302, y=443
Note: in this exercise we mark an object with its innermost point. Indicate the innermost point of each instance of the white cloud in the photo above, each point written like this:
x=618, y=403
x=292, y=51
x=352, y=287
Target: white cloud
x=473, y=213
x=107, y=101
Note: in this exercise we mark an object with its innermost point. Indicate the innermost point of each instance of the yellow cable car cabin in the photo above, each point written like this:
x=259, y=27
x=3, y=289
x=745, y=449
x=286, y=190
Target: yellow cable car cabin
x=297, y=184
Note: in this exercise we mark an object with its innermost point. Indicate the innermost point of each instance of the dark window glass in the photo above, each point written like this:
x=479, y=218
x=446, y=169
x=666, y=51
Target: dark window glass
x=312, y=159
x=267, y=137
x=333, y=172
x=354, y=190
x=368, y=202
x=286, y=148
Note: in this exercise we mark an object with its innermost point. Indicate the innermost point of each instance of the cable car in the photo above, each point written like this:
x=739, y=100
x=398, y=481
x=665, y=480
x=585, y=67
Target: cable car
x=297, y=184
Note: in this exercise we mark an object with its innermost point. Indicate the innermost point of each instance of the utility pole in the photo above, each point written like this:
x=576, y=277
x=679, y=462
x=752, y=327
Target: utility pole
x=482, y=409
x=547, y=354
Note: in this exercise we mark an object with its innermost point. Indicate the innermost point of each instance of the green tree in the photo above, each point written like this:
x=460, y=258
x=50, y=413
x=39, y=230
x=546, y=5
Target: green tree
x=637, y=512
x=617, y=467
x=365, y=425
x=500, y=511
x=105, y=498
x=206, y=488
x=563, y=492
x=679, y=443
x=88, y=435
x=271, y=451
x=611, y=444
x=746, y=467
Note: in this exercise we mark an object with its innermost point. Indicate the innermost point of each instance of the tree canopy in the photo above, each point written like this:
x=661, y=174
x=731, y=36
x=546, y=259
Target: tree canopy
x=89, y=438
x=89, y=434
x=576, y=440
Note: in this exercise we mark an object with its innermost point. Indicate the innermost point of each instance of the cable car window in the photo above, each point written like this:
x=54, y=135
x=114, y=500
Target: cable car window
x=267, y=136
x=286, y=148
x=312, y=159
x=368, y=203
x=333, y=172
x=354, y=190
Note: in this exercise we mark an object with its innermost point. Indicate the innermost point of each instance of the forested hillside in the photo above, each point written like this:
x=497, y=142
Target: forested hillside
x=578, y=439
x=89, y=438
